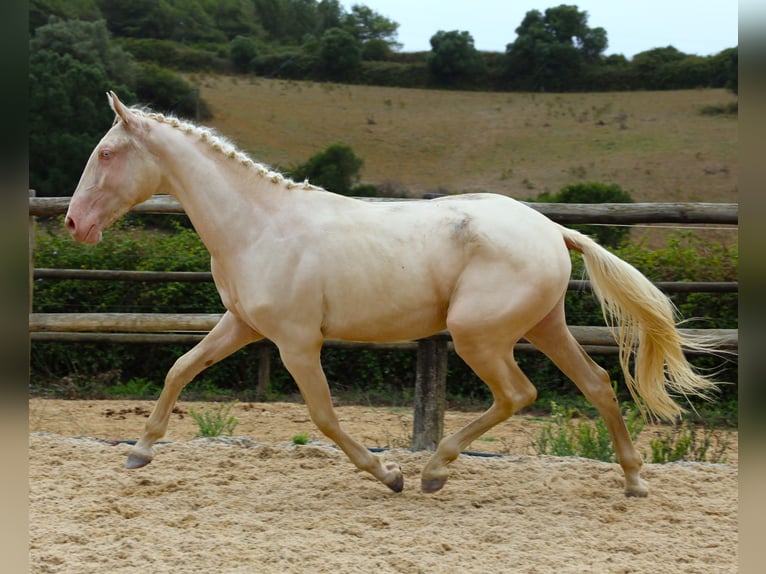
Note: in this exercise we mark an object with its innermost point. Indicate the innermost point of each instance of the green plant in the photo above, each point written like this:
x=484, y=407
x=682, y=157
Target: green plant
x=135, y=389
x=301, y=438
x=215, y=422
x=590, y=439
x=336, y=169
x=687, y=442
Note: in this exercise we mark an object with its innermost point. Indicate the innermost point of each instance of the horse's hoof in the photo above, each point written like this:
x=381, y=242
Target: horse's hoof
x=637, y=493
x=397, y=483
x=432, y=485
x=137, y=461
x=636, y=488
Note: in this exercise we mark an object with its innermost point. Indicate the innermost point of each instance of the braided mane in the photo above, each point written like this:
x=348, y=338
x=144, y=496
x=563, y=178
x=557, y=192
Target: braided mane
x=221, y=145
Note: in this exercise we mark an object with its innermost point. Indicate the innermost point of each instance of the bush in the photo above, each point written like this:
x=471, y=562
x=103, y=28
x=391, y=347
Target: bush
x=166, y=91
x=339, y=55
x=336, y=169
x=215, y=422
x=589, y=439
x=174, y=55
x=242, y=51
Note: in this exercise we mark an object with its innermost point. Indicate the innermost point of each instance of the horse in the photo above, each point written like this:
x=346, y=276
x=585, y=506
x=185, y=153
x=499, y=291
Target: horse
x=296, y=264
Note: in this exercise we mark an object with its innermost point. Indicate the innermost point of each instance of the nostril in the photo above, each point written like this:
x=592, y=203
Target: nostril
x=70, y=224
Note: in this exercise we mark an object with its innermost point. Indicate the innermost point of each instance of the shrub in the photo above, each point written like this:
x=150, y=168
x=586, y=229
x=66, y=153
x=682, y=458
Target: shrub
x=166, y=91
x=174, y=55
x=215, y=422
x=688, y=443
x=301, y=438
x=339, y=54
x=336, y=169
x=242, y=51
x=589, y=439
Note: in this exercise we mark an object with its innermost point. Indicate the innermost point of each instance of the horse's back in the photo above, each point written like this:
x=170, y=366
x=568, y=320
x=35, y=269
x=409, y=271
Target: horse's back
x=392, y=270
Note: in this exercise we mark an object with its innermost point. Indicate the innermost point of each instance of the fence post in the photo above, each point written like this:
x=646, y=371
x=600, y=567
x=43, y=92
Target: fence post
x=430, y=391
x=264, y=371
x=32, y=226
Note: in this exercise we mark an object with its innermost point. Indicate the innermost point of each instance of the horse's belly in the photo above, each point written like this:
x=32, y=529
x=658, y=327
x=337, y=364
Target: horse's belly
x=380, y=311
x=383, y=325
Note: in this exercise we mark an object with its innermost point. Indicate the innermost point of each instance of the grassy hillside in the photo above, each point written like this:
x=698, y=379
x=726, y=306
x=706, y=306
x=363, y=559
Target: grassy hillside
x=656, y=145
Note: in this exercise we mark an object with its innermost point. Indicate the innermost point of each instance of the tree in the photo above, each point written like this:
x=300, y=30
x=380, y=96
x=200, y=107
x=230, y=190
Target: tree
x=40, y=11
x=339, y=54
x=329, y=15
x=241, y=53
x=730, y=67
x=71, y=66
x=167, y=92
x=552, y=50
x=651, y=66
x=368, y=26
x=335, y=169
x=453, y=57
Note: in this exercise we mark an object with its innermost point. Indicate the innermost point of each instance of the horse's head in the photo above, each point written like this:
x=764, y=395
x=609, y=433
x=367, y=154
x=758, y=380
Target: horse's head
x=120, y=173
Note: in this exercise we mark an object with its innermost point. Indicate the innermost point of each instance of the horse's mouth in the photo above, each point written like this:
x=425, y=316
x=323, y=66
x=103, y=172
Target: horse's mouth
x=93, y=236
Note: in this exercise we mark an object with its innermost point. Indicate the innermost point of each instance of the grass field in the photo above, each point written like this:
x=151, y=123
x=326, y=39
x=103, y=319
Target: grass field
x=655, y=145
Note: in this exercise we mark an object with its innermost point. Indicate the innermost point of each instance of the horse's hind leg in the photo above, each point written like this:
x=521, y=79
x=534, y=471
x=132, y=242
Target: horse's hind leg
x=552, y=337
x=229, y=334
x=303, y=363
x=493, y=362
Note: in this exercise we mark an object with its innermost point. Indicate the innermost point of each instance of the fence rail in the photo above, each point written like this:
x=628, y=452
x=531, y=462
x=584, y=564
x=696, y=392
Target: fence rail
x=206, y=277
x=431, y=366
x=569, y=213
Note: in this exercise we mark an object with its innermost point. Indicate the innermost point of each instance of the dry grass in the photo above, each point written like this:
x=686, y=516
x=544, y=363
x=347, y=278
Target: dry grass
x=656, y=145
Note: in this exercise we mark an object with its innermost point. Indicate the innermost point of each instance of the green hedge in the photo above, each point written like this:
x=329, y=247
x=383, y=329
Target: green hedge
x=367, y=375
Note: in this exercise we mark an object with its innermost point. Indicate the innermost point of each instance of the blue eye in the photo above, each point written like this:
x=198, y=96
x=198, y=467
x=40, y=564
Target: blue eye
x=106, y=154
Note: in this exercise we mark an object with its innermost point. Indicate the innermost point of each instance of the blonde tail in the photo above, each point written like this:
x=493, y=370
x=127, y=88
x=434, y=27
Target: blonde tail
x=642, y=319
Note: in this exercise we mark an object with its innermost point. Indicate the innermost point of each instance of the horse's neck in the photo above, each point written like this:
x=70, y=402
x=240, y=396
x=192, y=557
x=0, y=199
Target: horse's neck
x=217, y=192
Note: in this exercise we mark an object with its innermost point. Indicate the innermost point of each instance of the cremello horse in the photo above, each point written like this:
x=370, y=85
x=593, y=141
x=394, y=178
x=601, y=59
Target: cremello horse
x=297, y=265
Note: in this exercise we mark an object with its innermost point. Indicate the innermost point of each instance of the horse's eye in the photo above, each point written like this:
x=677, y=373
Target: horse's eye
x=106, y=154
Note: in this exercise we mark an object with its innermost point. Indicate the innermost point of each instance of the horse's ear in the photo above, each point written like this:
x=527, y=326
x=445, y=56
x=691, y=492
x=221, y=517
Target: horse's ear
x=119, y=108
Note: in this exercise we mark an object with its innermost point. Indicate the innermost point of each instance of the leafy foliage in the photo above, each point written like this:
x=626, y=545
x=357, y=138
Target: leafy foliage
x=336, y=169
x=565, y=436
x=689, y=443
x=242, y=51
x=453, y=57
x=73, y=64
x=215, y=422
x=170, y=93
x=339, y=54
x=552, y=49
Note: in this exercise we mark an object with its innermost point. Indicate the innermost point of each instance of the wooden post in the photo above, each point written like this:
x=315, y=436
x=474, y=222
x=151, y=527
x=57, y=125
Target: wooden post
x=430, y=391
x=32, y=226
x=264, y=371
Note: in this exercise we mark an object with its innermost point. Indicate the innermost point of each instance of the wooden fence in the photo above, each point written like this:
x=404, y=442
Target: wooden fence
x=431, y=362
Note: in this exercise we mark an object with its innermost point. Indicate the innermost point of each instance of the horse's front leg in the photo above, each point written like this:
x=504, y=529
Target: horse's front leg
x=305, y=367
x=229, y=335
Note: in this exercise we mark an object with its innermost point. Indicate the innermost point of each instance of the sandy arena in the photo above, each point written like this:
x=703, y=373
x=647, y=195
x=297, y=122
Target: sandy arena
x=254, y=503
